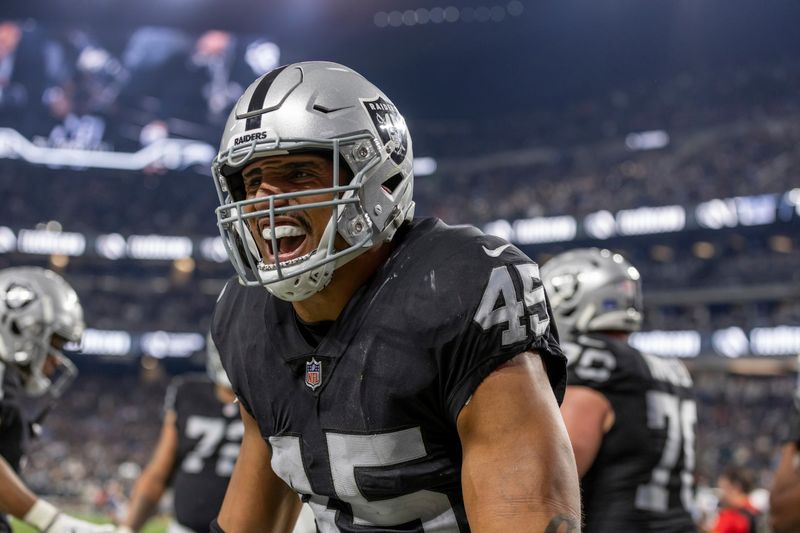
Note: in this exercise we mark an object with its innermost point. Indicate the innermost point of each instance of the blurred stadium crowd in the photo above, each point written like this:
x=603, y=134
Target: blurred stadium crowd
x=573, y=162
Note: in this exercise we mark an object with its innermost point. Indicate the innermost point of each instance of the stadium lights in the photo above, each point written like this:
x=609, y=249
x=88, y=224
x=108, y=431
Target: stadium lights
x=103, y=342
x=739, y=211
x=160, y=344
x=111, y=246
x=8, y=241
x=781, y=340
x=668, y=343
x=450, y=14
x=545, y=229
x=159, y=247
x=534, y=230
x=213, y=249
x=600, y=225
x=424, y=166
x=45, y=242
x=647, y=140
x=729, y=342
x=650, y=220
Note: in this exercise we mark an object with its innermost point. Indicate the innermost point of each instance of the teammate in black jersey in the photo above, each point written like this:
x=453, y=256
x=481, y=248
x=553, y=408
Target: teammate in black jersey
x=198, y=446
x=630, y=415
x=784, y=498
x=398, y=375
x=39, y=313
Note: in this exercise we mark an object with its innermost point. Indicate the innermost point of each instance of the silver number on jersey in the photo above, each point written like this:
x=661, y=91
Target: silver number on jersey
x=211, y=432
x=678, y=417
x=230, y=450
x=500, y=283
x=595, y=365
x=348, y=452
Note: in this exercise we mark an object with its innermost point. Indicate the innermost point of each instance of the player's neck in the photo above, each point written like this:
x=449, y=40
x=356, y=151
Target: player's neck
x=329, y=302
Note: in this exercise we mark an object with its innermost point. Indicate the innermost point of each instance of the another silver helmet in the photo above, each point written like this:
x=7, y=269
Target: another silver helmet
x=308, y=107
x=36, y=304
x=214, y=364
x=593, y=290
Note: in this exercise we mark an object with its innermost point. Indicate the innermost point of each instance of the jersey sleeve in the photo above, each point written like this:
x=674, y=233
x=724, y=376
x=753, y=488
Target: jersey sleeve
x=171, y=397
x=593, y=367
x=794, y=424
x=224, y=335
x=502, y=310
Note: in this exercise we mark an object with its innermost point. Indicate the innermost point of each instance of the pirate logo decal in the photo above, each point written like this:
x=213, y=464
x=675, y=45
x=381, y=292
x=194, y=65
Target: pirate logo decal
x=391, y=127
x=17, y=296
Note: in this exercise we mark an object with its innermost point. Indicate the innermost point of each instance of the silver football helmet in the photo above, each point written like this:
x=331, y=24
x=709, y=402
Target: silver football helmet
x=214, y=364
x=593, y=290
x=314, y=106
x=36, y=304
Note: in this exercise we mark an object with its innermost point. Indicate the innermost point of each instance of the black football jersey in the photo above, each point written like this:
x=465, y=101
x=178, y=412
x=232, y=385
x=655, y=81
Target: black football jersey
x=13, y=424
x=362, y=424
x=209, y=437
x=642, y=479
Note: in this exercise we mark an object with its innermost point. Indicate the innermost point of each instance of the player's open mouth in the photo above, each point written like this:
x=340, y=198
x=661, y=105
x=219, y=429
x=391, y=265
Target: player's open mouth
x=291, y=240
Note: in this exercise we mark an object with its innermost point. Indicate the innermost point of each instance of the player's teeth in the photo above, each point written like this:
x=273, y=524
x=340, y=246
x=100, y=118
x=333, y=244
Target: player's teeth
x=283, y=231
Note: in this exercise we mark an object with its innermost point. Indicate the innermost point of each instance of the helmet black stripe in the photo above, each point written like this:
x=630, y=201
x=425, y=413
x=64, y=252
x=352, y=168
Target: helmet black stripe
x=259, y=95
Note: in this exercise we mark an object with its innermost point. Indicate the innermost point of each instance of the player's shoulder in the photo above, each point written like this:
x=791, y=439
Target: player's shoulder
x=611, y=363
x=444, y=262
x=667, y=372
x=463, y=243
x=10, y=384
x=456, y=283
x=603, y=362
x=238, y=309
x=188, y=389
x=235, y=296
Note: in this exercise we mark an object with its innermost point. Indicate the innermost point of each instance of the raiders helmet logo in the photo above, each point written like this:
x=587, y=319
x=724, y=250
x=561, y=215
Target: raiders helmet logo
x=564, y=286
x=391, y=127
x=17, y=296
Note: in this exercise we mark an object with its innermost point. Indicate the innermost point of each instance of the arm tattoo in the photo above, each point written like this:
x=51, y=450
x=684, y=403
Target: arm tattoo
x=562, y=524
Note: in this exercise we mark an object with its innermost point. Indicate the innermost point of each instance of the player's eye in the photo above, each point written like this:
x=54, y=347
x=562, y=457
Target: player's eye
x=301, y=176
x=251, y=183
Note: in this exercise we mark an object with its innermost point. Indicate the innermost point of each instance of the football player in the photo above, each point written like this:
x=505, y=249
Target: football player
x=39, y=313
x=784, y=497
x=630, y=415
x=198, y=446
x=398, y=374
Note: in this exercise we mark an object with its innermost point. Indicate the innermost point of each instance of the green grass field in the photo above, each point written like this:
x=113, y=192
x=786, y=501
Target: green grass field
x=158, y=525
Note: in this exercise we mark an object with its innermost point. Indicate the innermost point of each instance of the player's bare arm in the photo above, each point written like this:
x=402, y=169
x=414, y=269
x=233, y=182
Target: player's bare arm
x=588, y=416
x=257, y=501
x=518, y=471
x=785, y=494
x=150, y=486
x=18, y=501
x=15, y=498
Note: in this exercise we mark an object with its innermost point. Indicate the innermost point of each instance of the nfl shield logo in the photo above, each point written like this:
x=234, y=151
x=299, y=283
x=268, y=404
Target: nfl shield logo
x=313, y=374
